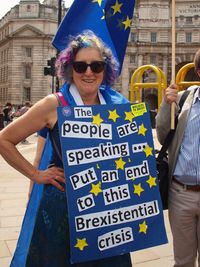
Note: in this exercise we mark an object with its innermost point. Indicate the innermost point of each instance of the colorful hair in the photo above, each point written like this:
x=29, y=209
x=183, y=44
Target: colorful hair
x=84, y=40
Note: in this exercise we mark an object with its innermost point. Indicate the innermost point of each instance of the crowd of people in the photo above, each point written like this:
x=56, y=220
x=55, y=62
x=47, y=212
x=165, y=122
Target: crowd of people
x=9, y=112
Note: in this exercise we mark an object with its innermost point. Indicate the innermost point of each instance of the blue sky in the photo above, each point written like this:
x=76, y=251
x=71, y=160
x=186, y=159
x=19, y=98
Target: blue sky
x=7, y=5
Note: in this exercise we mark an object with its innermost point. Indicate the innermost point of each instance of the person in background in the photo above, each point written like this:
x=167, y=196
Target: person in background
x=1, y=118
x=184, y=170
x=7, y=114
x=89, y=69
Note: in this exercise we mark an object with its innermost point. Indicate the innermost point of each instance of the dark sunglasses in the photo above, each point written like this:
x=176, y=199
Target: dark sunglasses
x=95, y=66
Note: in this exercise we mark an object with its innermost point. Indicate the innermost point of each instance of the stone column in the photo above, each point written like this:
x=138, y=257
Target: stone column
x=140, y=60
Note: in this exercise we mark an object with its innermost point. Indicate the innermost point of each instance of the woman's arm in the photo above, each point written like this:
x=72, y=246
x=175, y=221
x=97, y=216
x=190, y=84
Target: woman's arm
x=38, y=154
x=42, y=114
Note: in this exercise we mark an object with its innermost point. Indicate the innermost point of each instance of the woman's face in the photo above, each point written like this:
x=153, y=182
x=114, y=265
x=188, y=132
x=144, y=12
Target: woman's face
x=88, y=82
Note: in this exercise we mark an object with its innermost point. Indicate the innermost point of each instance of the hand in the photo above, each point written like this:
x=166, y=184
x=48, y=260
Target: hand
x=50, y=176
x=171, y=94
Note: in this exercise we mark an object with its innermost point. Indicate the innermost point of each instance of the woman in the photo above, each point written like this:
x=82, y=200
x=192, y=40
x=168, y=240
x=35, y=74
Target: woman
x=89, y=69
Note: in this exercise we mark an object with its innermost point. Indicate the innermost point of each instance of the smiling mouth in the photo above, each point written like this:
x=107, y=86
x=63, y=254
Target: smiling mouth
x=88, y=81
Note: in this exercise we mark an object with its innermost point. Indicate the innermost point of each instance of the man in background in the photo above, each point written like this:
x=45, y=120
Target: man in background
x=7, y=114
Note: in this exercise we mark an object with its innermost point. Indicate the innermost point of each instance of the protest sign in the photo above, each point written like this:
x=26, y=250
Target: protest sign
x=111, y=185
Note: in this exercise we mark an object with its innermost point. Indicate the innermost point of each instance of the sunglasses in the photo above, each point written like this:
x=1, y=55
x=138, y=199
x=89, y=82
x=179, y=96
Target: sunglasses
x=95, y=66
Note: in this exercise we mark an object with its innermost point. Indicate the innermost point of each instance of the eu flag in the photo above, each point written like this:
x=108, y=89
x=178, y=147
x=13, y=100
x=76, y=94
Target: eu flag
x=108, y=19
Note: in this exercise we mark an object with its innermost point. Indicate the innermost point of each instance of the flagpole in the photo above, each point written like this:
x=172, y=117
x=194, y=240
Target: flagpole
x=173, y=60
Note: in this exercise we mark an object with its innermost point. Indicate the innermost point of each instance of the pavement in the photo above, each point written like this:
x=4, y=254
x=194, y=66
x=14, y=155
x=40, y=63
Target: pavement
x=13, y=200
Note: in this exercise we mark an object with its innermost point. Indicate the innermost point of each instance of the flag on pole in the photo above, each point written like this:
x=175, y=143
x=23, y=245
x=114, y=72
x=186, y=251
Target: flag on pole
x=108, y=19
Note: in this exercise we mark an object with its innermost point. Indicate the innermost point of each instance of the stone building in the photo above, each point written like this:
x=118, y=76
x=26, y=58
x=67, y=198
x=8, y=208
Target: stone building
x=150, y=40
x=26, y=33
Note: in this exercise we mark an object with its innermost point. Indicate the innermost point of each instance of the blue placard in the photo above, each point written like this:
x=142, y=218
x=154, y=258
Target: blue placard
x=112, y=190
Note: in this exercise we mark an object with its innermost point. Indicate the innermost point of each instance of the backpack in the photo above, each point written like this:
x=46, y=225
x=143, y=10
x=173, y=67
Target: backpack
x=162, y=159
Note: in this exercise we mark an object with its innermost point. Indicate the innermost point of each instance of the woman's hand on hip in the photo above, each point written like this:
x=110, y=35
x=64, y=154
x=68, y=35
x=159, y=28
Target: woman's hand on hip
x=53, y=175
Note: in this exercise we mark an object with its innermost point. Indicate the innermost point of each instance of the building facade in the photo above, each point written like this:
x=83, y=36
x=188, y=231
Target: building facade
x=150, y=40
x=26, y=32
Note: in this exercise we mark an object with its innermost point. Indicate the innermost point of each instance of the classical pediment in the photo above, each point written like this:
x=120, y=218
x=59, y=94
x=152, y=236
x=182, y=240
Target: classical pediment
x=27, y=30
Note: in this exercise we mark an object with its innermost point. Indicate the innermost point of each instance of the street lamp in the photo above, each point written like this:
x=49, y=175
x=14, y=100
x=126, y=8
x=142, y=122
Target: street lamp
x=59, y=20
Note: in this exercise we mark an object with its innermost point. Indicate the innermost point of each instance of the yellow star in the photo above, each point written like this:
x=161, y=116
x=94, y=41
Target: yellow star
x=151, y=181
x=148, y=150
x=97, y=119
x=116, y=7
x=138, y=189
x=81, y=243
x=143, y=227
x=113, y=115
x=127, y=22
x=97, y=166
x=120, y=164
x=96, y=189
x=129, y=116
x=142, y=129
x=97, y=1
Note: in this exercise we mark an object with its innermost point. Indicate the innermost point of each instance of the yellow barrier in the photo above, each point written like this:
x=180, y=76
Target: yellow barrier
x=180, y=77
x=137, y=83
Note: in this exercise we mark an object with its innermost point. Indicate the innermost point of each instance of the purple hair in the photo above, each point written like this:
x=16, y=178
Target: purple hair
x=84, y=40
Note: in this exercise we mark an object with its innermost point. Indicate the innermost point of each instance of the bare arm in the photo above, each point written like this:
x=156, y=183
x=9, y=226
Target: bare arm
x=38, y=154
x=42, y=114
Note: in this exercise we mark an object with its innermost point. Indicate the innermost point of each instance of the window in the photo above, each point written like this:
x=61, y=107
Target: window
x=153, y=37
x=27, y=72
x=189, y=20
x=28, y=8
x=153, y=59
x=133, y=37
x=132, y=58
x=27, y=94
x=4, y=94
x=188, y=37
x=28, y=51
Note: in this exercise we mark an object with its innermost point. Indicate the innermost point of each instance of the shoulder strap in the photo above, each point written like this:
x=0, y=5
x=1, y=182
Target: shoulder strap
x=171, y=133
x=182, y=99
x=62, y=102
x=61, y=99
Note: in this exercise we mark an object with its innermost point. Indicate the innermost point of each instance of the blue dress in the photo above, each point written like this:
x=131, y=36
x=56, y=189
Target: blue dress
x=47, y=239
